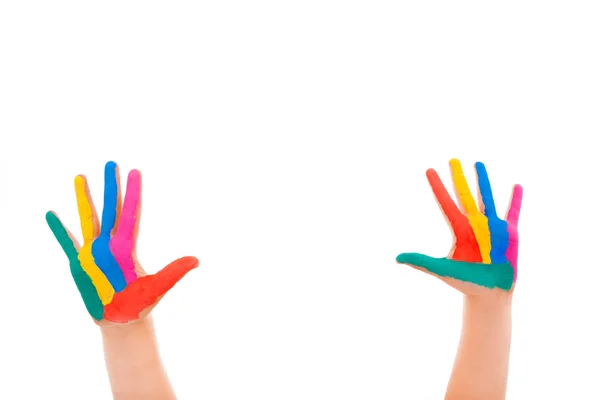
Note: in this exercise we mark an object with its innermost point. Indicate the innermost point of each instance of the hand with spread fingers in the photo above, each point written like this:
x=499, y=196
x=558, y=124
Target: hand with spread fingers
x=483, y=265
x=112, y=284
x=484, y=255
x=116, y=291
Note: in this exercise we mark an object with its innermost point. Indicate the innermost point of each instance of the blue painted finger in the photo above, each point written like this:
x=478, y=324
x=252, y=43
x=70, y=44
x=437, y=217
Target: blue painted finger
x=498, y=227
x=103, y=257
x=485, y=189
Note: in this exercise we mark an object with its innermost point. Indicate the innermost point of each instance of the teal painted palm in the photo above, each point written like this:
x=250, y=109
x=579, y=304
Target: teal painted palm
x=484, y=254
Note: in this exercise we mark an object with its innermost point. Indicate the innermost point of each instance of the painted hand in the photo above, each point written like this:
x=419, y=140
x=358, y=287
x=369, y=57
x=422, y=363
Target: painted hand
x=484, y=255
x=113, y=285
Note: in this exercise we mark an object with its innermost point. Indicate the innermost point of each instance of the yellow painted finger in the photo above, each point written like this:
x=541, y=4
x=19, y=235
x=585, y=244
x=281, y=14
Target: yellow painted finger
x=477, y=220
x=462, y=188
x=86, y=212
x=479, y=224
x=103, y=286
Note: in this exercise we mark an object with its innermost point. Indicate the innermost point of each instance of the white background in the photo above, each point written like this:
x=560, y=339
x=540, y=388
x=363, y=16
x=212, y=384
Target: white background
x=285, y=145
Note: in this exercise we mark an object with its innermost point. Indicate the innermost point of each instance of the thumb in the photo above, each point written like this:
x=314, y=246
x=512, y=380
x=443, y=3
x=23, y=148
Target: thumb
x=147, y=290
x=431, y=265
x=487, y=275
x=166, y=278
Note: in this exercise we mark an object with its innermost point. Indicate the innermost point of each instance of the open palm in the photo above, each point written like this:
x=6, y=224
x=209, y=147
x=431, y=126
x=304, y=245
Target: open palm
x=484, y=255
x=112, y=284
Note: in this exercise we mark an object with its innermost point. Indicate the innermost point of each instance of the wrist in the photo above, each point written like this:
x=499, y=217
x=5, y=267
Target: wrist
x=493, y=308
x=128, y=331
x=133, y=361
x=495, y=299
x=130, y=344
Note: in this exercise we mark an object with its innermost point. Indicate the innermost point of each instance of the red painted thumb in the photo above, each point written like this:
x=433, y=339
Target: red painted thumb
x=145, y=291
x=166, y=278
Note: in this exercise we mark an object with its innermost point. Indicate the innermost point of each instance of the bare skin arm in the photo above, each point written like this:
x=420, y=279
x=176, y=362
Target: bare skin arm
x=133, y=362
x=481, y=365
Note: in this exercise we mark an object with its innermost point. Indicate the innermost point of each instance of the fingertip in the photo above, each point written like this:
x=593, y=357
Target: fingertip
x=79, y=181
x=480, y=166
x=404, y=258
x=434, y=179
x=431, y=173
x=134, y=174
x=134, y=179
x=111, y=165
x=517, y=194
x=50, y=215
x=518, y=189
x=454, y=162
x=51, y=219
x=190, y=262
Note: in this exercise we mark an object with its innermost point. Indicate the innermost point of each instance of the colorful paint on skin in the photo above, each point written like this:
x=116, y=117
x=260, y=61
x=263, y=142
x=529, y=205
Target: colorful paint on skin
x=123, y=242
x=101, y=253
x=486, y=247
x=104, y=268
x=88, y=230
x=85, y=285
x=477, y=221
x=144, y=292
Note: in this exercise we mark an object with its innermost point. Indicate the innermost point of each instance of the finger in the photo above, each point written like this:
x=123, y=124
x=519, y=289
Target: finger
x=441, y=194
x=462, y=188
x=104, y=259
x=84, y=284
x=122, y=249
x=88, y=291
x=112, y=198
x=487, y=275
x=101, y=252
x=63, y=236
x=512, y=217
x=99, y=280
x=166, y=278
x=485, y=189
x=87, y=212
x=146, y=291
x=130, y=212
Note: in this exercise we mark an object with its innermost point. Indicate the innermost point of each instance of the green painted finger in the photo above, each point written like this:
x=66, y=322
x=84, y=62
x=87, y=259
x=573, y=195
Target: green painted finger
x=82, y=280
x=487, y=275
x=88, y=292
x=62, y=236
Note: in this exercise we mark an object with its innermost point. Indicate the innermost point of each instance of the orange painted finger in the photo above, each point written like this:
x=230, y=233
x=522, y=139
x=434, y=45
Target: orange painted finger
x=443, y=197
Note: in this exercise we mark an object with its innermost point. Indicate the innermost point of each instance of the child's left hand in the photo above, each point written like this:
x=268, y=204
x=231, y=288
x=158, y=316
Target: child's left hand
x=112, y=283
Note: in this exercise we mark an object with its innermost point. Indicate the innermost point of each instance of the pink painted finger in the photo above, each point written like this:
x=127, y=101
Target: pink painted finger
x=121, y=248
x=512, y=217
x=129, y=212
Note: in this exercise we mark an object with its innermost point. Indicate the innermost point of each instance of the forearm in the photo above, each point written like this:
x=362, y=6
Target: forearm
x=133, y=362
x=481, y=366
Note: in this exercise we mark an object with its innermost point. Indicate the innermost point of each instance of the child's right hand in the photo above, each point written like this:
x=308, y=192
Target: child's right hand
x=112, y=283
x=484, y=255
